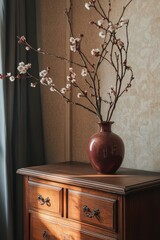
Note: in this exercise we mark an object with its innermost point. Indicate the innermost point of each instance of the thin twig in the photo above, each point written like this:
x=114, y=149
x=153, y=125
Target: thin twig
x=100, y=6
x=68, y=13
x=124, y=8
x=113, y=52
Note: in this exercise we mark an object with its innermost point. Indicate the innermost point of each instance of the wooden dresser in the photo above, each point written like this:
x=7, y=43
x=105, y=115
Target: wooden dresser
x=69, y=201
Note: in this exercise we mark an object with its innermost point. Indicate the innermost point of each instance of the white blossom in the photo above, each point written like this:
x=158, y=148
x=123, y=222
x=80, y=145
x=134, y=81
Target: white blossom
x=21, y=64
x=43, y=73
x=123, y=21
x=79, y=95
x=33, y=84
x=46, y=81
x=8, y=74
x=112, y=27
x=77, y=39
x=28, y=66
x=43, y=81
x=49, y=80
x=87, y=6
x=68, y=86
x=68, y=78
x=73, y=48
x=63, y=90
x=73, y=80
x=100, y=22
x=12, y=78
x=73, y=75
x=120, y=43
x=95, y=52
x=70, y=69
x=52, y=89
x=84, y=72
x=27, y=48
x=102, y=34
x=72, y=40
x=38, y=49
x=22, y=38
x=22, y=69
x=74, y=43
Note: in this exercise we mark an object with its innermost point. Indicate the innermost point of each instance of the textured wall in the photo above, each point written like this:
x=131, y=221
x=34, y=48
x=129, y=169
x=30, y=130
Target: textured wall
x=138, y=121
x=138, y=115
x=138, y=112
x=52, y=32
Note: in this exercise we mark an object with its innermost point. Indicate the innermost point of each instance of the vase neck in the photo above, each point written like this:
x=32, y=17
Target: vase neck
x=105, y=126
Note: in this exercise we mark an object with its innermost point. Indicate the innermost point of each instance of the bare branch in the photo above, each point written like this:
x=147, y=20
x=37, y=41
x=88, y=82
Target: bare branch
x=68, y=13
x=114, y=52
x=124, y=8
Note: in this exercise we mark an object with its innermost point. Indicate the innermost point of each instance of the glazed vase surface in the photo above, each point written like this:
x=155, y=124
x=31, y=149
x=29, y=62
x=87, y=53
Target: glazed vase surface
x=106, y=150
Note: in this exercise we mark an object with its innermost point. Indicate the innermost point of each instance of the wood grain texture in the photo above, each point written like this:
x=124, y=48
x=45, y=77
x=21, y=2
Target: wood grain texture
x=82, y=174
x=53, y=193
x=41, y=226
x=142, y=215
x=106, y=206
x=128, y=203
x=26, y=208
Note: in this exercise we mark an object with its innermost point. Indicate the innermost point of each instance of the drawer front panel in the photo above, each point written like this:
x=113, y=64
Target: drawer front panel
x=45, y=198
x=92, y=209
x=43, y=229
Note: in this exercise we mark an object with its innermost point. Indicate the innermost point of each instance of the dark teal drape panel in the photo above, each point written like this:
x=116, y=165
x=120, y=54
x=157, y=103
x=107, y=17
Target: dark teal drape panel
x=23, y=141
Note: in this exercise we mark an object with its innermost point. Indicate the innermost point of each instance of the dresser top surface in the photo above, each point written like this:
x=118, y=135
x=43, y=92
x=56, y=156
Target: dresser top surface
x=124, y=181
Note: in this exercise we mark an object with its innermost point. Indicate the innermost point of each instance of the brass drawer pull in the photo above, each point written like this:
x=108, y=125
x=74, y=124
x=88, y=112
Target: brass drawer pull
x=90, y=213
x=46, y=236
x=43, y=201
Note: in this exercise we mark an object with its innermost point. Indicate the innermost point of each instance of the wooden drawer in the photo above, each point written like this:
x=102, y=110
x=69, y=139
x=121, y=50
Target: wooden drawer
x=45, y=198
x=92, y=208
x=42, y=228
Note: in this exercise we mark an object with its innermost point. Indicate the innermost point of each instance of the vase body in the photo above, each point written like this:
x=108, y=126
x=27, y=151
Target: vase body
x=106, y=150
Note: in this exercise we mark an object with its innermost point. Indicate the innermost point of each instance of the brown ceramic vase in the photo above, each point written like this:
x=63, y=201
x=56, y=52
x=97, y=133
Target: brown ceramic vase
x=106, y=150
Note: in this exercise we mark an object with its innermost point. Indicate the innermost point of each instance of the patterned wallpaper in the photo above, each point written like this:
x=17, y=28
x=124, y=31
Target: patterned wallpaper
x=138, y=119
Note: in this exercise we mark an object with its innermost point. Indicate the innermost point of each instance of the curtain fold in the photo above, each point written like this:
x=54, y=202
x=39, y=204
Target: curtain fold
x=3, y=190
x=21, y=133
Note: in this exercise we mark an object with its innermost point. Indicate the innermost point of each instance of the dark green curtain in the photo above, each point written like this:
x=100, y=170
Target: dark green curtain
x=21, y=137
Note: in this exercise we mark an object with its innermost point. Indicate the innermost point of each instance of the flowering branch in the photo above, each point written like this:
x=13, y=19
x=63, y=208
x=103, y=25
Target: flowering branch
x=28, y=47
x=113, y=51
